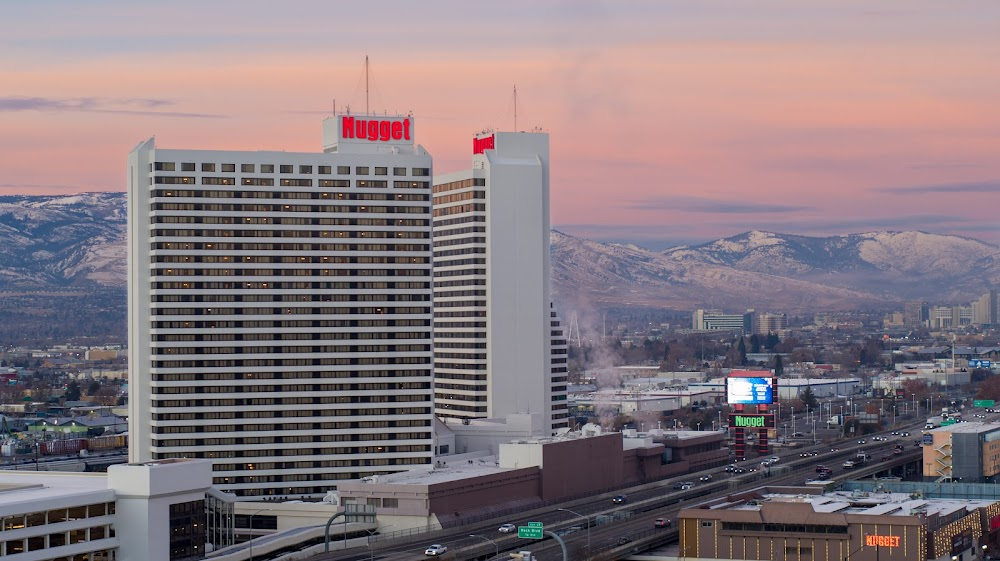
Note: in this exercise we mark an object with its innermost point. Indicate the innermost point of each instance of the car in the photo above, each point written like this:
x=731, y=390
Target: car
x=807, y=454
x=619, y=499
x=895, y=433
x=661, y=523
x=706, y=477
x=862, y=441
x=797, y=435
x=835, y=449
x=876, y=439
x=774, y=459
x=823, y=475
x=904, y=433
x=731, y=468
x=820, y=468
x=740, y=470
x=435, y=550
x=507, y=529
x=624, y=540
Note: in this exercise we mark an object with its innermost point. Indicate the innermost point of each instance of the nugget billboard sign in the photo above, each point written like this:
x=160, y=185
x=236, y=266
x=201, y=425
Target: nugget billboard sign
x=388, y=130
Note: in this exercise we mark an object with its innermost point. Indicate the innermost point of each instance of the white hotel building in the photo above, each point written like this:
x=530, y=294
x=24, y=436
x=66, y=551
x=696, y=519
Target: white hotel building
x=280, y=308
x=499, y=347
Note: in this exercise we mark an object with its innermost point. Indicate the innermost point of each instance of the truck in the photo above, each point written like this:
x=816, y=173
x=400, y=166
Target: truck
x=862, y=457
x=933, y=422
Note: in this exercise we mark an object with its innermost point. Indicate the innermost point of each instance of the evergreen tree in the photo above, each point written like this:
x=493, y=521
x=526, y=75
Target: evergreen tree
x=754, y=343
x=809, y=398
x=779, y=366
x=742, y=348
x=72, y=391
x=771, y=342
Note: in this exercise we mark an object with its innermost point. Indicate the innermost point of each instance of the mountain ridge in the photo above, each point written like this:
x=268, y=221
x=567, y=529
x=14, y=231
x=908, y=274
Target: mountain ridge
x=78, y=243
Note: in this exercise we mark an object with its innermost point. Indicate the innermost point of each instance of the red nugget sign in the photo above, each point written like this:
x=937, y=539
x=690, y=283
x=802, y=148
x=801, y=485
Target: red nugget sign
x=375, y=130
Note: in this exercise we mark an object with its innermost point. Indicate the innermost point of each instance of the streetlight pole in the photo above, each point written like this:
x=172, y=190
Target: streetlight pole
x=495, y=544
x=371, y=550
x=250, y=530
x=587, y=518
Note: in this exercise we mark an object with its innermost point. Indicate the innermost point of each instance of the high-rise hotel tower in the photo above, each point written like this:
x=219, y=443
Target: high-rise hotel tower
x=280, y=308
x=499, y=346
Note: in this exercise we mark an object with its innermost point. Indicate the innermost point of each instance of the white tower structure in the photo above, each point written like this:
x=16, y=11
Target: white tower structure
x=500, y=347
x=280, y=308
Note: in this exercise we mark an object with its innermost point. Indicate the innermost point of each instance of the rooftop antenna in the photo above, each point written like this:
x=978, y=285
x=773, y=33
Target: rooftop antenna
x=515, y=107
x=367, y=108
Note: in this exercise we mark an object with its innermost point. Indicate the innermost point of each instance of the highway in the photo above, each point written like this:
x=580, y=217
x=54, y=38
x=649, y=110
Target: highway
x=634, y=519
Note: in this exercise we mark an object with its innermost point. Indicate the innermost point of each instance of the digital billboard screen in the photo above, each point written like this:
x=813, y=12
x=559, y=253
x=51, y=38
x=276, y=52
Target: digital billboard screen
x=749, y=391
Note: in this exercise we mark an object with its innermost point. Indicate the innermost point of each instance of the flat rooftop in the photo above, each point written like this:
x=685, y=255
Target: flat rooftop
x=973, y=427
x=22, y=491
x=849, y=502
x=442, y=472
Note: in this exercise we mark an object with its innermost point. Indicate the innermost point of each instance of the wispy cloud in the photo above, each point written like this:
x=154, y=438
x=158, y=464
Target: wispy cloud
x=959, y=187
x=133, y=106
x=699, y=204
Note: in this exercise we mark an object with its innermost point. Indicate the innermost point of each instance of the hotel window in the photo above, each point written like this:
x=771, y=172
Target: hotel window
x=361, y=170
x=305, y=169
x=325, y=170
x=399, y=171
x=208, y=168
x=187, y=166
x=343, y=170
x=285, y=169
x=381, y=171
x=247, y=168
x=164, y=166
x=421, y=172
x=267, y=168
x=228, y=168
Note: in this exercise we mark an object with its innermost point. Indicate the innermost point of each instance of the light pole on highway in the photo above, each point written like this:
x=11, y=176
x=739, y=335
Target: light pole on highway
x=587, y=518
x=495, y=544
x=250, y=529
x=371, y=550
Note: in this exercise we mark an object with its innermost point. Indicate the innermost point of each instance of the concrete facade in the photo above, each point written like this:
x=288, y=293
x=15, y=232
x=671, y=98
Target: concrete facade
x=500, y=347
x=280, y=320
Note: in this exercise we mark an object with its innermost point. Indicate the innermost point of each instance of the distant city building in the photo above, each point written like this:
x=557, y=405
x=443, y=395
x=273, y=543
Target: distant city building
x=769, y=322
x=280, y=319
x=499, y=345
x=986, y=310
x=715, y=320
x=915, y=314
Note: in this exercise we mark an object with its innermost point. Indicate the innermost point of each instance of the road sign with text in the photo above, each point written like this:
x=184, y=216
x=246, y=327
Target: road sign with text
x=533, y=531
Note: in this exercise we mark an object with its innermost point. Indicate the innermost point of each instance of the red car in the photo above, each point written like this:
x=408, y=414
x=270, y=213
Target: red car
x=661, y=523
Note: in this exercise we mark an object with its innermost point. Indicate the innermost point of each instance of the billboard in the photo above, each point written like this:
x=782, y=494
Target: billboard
x=749, y=391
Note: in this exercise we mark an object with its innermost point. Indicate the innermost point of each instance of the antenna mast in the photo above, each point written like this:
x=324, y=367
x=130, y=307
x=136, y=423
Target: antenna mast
x=515, y=107
x=367, y=108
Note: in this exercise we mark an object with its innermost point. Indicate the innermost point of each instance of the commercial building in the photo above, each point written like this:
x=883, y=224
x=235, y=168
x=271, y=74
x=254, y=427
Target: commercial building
x=280, y=308
x=803, y=524
x=499, y=345
x=715, y=320
x=154, y=511
x=967, y=452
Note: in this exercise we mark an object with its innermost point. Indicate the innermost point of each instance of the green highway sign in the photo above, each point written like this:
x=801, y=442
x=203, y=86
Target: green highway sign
x=983, y=403
x=948, y=422
x=533, y=531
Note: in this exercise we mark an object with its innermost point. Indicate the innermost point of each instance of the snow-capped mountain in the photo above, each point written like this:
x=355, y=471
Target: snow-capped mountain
x=778, y=271
x=59, y=242
x=77, y=243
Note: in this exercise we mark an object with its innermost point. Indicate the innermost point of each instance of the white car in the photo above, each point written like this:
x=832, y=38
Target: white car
x=507, y=529
x=435, y=550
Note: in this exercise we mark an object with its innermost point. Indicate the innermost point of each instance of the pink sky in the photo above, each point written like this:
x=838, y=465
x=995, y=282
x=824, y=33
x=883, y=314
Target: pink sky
x=670, y=122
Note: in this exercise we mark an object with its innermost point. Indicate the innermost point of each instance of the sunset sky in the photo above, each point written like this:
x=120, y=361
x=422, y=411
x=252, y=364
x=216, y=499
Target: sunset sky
x=671, y=121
